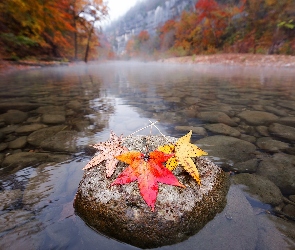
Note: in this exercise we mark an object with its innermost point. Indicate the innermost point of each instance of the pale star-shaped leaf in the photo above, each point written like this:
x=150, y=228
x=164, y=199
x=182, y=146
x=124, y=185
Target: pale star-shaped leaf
x=109, y=150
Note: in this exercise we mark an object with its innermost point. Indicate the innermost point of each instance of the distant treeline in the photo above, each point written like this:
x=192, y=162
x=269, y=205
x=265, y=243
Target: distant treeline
x=230, y=26
x=49, y=28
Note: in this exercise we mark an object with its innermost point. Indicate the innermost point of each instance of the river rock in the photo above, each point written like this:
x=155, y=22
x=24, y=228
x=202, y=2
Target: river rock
x=280, y=173
x=26, y=129
x=249, y=166
x=2, y=156
x=179, y=213
x=34, y=119
x=292, y=198
x=18, y=143
x=9, y=129
x=275, y=111
x=288, y=121
x=271, y=145
x=229, y=149
x=24, y=159
x=58, y=110
x=262, y=130
x=248, y=138
x=3, y=146
x=257, y=117
x=22, y=106
x=289, y=209
x=14, y=117
x=284, y=158
x=216, y=117
x=1, y=136
x=283, y=131
x=287, y=104
x=63, y=141
x=37, y=137
x=75, y=105
x=196, y=130
x=53, y=119
x=224, y=129
x=259, y=187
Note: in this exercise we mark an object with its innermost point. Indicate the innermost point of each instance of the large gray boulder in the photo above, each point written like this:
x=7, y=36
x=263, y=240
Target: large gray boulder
x=121, y=213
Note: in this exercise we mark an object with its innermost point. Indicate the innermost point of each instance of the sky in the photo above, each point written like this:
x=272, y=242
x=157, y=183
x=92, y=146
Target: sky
x=118, y=8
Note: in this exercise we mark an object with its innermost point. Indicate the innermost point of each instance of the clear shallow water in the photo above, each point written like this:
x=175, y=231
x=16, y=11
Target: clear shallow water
x=37, y=198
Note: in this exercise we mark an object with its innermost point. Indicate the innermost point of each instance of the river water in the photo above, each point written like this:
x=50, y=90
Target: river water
x=50, y=116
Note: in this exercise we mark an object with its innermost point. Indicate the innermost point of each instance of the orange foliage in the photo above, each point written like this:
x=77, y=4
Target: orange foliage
x=213, y=19
x=143, y=36
x=250, y=26
x=167, y=34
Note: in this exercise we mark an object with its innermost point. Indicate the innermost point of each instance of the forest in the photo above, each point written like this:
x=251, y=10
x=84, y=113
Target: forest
x=245, y=26
x=68, y=30
x=50, y=29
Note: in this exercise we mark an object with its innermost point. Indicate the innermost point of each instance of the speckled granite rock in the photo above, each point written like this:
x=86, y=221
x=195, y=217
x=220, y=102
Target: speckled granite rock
x=121, y=213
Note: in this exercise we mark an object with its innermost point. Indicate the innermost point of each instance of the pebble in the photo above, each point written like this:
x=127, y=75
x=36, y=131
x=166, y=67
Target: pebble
x=20, y=142
x=282, y=131
x=196, y=130
x=224, y=129
x=257, y=118
x=280, y=173
x=216, y=117
x=271, y=145
x=259, y=187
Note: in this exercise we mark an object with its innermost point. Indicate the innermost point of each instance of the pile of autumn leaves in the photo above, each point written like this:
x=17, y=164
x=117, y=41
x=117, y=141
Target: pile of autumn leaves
x=148, y=168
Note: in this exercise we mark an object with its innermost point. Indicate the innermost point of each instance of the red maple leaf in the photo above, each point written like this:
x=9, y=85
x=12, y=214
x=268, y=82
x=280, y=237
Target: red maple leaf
x=148, y=170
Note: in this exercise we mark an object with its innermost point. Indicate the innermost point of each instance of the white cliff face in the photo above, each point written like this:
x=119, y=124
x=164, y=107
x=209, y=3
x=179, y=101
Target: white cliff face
x=140, y=19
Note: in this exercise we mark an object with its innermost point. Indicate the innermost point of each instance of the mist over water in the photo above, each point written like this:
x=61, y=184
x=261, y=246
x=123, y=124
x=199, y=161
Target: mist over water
x=92, y=100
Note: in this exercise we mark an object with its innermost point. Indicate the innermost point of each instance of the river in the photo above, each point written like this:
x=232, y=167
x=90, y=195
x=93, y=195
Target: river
x=50, y=116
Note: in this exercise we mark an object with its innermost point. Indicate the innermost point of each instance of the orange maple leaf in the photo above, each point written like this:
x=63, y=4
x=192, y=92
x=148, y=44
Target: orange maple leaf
x=109, y=150
x=148, y=170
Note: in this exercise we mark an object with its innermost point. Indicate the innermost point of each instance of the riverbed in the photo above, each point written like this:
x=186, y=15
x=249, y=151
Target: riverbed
x=244, y=117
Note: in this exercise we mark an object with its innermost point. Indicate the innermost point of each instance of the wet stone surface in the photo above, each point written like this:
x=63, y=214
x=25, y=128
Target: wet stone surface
x=121, y=213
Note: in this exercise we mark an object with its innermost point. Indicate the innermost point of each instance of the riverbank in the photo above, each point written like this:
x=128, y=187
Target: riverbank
x=10, y=66
x=256, y=60
x=236, y=60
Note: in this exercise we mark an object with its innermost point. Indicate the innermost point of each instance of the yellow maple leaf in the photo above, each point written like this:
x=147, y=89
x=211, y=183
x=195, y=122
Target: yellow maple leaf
x=183, y=150
x=172, y=163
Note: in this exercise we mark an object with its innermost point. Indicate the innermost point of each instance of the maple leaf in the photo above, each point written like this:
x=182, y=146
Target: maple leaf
x=109, y=150
x=184, y=150
x=148, y=170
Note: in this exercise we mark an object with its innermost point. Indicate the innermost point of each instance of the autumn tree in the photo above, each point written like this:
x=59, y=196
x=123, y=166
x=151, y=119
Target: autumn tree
x=187, y=32
x=143, y=36
x=86, y=14
x=36, y=27
x=212, y=19
x=46, y=24
x=139, y=45
x=167, y=34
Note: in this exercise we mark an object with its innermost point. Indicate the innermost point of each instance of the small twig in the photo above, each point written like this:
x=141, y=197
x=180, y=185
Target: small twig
x=150, y=125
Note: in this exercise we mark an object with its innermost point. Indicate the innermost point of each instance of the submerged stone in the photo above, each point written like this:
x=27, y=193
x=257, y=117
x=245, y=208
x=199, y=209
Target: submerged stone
x=121, y=213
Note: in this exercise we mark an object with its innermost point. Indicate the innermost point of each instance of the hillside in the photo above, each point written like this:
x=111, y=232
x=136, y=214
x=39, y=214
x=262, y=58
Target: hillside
x=187, y=27
x=146, y=15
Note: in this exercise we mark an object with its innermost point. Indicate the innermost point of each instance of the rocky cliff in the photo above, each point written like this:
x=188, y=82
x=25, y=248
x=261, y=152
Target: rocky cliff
x=146, y=15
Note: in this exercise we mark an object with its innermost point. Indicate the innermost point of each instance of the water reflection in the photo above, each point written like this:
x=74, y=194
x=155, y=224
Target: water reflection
x=244, y=117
